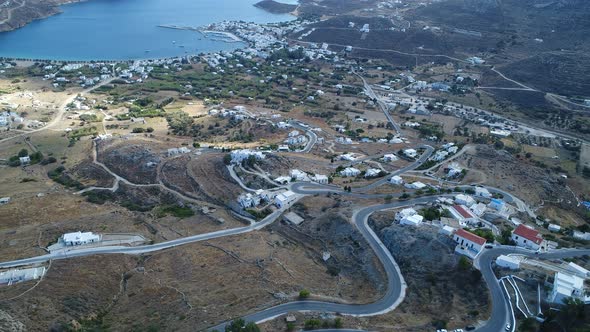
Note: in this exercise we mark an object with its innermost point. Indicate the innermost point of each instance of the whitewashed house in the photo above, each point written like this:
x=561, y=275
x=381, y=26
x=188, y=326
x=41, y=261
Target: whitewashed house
x=79, y=238
x=238, y=156
x=299, y=175
x=529, y=238
x=390, y=158
x=482, y=192
x=508, y=262
x=284, y=199
x=463, y=214
x=415, y=185
x=466, y=200
x=440, y=155
x=319, y=178
x=468, y=243
x=405, y=213
x=25, y=160
x=372, y=172
x=410, y=153
x=350, y=172
x=396, y=180
x=565, y=286
x=413, y=220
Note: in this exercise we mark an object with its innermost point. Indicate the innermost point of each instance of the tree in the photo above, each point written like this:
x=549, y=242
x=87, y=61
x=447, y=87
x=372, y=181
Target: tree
x=464, y=263
x=23, y=153
x=304, y=294
x=240, y=325
x=290, y=327
x=312, y=324
x=227, y=159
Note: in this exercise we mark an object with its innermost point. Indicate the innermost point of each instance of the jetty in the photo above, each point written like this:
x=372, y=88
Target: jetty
x=224, y=36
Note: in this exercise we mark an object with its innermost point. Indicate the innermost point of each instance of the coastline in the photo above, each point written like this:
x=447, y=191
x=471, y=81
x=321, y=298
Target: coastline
x=55, y=10
x=226, y=37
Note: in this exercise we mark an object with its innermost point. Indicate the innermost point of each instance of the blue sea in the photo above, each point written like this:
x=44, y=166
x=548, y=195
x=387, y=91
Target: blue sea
x=126, y=29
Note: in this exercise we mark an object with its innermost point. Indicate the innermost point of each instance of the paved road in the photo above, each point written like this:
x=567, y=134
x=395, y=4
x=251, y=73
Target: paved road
x=313, y=137
x=396, y=286
x=312, y=188
x=501, y=314
x=380, y=103
x=147, y=248
x=62, y=110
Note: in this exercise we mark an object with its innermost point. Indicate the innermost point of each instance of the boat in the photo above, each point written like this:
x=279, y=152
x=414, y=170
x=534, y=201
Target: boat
x=148, y=51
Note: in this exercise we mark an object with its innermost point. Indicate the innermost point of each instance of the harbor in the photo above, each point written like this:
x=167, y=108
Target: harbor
x=216, y=35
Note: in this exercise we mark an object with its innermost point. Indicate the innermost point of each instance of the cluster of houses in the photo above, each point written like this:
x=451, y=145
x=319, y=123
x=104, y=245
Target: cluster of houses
x=298, y=175
x=252, y=200
x=9, y=118
x=239, y=156
x=295, y=138
x=178, y=151
x=237, y=113
x=446, y=150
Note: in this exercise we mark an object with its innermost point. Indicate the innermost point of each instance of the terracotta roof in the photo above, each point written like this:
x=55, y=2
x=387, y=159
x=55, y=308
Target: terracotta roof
x=528, y=233
x=471, y=237
x=462, y=211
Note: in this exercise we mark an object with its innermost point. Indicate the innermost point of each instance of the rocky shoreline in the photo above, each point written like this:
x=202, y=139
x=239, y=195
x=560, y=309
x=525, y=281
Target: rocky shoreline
x=29, y=11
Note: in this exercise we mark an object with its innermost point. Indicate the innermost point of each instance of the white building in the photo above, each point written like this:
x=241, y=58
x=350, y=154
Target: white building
x=285, y=198
x=79, y=238
x=347, y=157
x=468, y=243
x=454, y=170
x=177, y=151
x=299, y=175
x=296, y=140
x=372, y=172
x=440, y=155
x=577, y=269
x=396, y=180
x=466, y=200
x=350, y=172
x=343, y=140
x=25, y=160
x=283, y=179
x=554, y=228
x=529, y=238
x=319, y=178
x=497, y=204
x=294, y=133
x=415, y=185
x=566, y=285
x=508, y=262
x=413, y=220
x=389, y=158
x=249, y=200
x=238, y=156
x=463, y=214
x=405, y=213
x=478, y=209
x=410, y=153
x=447, y=230
x=482, y=192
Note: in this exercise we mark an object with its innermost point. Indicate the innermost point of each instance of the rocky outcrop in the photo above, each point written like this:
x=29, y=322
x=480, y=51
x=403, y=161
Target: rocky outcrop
x=9, y=324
